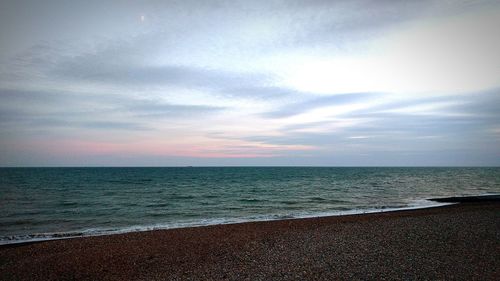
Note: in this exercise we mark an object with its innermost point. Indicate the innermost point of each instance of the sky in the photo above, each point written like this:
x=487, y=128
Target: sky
x=217, y=83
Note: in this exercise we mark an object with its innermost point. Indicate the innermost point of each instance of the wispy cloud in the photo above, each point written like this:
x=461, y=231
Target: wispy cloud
x=318, y=102
x=190, y=77
x=27, y=109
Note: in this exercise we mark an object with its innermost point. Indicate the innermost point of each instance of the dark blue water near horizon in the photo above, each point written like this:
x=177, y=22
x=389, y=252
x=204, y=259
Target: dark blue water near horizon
x=47, y=203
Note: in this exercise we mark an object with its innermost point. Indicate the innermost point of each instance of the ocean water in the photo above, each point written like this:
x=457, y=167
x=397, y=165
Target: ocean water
x=49, y=203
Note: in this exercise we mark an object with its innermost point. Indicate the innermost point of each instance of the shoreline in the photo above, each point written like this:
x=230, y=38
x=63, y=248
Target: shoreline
x=38, y=237
x=423, y=204
x=458, y=240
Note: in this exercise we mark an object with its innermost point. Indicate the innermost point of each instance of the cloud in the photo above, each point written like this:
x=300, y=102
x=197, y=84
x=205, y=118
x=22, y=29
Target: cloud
x=318, y=102
x=183, y=76
x=260, y=92
x=32, y=110
x=354, y=21
x=151, y=108
x=469, y=121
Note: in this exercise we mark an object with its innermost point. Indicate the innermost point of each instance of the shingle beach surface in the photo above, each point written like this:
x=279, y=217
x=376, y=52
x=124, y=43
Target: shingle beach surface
x=456, y=242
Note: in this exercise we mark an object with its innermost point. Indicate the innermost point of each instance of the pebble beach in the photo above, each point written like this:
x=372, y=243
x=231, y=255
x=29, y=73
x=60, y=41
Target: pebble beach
x=454, y=242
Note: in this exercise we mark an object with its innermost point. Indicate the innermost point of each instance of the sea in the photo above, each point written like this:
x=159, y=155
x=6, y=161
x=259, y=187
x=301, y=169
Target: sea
x=55, y=203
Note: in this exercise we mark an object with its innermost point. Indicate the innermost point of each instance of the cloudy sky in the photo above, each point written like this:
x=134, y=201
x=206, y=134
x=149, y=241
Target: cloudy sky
x=167, y=83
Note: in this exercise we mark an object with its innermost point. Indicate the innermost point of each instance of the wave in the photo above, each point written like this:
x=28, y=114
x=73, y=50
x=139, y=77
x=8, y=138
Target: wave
x=132, y=181
x=328, y=200
x=175, y=197
x=251, y=200
x=13, y=239
x=317, y=199
x=290, y=202
x=158, y=205
x=69, y=203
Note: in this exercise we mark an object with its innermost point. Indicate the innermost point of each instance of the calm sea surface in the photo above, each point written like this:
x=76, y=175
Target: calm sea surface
x=46, y=203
